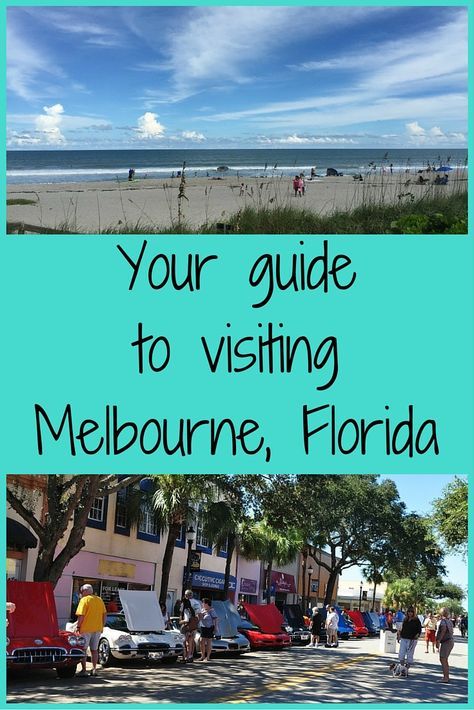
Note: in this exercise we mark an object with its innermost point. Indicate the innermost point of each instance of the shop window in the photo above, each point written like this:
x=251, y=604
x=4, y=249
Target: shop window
x=15, y=566
x=122, y=523
x=148, y=525
x=181, y=539
x=98, y=514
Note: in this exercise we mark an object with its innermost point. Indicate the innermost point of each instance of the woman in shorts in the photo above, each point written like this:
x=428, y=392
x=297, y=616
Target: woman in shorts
x=444, y=641
x=208, y=628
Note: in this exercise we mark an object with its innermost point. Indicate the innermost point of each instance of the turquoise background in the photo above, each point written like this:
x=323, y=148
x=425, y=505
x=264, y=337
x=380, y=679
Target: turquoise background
x=404, y=332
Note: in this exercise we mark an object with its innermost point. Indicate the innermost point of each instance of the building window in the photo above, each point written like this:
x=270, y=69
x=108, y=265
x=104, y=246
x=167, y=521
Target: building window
x=148, y=526
x=98, y=514
x=181, y=539
x=122, y=523
x=202, y=541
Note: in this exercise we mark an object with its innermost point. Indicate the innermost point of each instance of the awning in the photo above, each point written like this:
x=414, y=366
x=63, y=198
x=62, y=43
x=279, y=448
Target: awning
x=19, y=536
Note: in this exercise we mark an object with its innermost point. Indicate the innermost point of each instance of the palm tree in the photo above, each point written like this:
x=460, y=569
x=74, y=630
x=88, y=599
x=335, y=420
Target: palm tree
x=221, y=522
x=175, y=500
x=260, y=541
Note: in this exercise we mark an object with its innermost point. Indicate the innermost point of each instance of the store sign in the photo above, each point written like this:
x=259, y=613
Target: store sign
x=248, y=586
x=112, y=568
x=195, y=565
x=211, y=580
x=283, y=582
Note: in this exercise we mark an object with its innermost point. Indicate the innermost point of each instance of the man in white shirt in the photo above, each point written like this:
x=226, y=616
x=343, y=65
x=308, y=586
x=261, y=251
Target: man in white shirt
x=332, y=622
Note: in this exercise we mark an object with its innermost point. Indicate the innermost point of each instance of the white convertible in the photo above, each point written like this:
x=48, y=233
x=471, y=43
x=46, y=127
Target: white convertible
x=138, y=632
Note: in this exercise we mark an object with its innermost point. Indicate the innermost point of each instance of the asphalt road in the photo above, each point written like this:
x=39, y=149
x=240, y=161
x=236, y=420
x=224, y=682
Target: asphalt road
x=355, y=672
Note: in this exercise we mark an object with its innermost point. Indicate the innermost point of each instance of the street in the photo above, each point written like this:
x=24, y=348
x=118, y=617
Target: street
x=354, y=672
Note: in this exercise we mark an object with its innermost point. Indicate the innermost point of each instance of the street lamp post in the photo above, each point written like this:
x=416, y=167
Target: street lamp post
x=310, y=573
x=360, y=595
x=303, y=584
x=190, y=538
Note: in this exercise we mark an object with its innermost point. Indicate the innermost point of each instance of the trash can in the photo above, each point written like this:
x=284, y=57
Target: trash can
x=388, y=641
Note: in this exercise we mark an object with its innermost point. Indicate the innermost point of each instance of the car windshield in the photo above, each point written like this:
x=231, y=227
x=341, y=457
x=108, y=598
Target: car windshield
x=116, y=621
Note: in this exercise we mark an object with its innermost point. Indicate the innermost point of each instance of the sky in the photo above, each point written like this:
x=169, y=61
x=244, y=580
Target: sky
x=241, y=77
x=418, y=493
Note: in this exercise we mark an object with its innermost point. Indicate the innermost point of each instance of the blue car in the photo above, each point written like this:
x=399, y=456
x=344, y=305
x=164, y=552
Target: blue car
x=372, y=627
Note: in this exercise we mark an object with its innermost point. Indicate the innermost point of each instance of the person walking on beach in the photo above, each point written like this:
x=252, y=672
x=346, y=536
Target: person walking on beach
x=91, y=614
x=408, y=637
x=430, y=631
x=295, y=184
x=209, y=628
x=131, y=173
x=444, y=642
x=300, y=186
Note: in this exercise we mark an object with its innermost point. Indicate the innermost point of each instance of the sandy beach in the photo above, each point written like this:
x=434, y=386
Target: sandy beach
x=93, y=207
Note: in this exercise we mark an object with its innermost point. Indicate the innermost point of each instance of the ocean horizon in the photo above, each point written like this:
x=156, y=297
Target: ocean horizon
x=60, y=166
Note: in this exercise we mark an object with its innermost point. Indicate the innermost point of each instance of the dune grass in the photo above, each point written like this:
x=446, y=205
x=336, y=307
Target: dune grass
x=20, y=201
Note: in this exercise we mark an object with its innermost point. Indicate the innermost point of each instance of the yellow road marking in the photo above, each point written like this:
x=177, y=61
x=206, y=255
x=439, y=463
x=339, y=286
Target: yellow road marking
x=247, y=696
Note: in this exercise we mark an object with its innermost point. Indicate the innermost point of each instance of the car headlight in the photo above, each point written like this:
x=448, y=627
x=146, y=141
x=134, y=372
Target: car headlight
x=8, y=641
x=124, y=638
x=288, y=629
x=76, y=640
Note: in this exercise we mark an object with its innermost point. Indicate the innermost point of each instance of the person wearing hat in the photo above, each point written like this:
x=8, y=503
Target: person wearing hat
x=408, y=637
x=315, y=628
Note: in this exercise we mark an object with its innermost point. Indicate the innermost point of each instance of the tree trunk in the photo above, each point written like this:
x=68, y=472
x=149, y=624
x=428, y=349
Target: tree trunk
x=173, y=533
x=330, y=586
x=231, y=539
x=269, y=581
x=373, y=597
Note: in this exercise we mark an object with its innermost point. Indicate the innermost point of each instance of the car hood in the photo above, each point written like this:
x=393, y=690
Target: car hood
x=35, y=613
x=229, y=618
x=142, y=610
x=266, y=616
x=294, y=616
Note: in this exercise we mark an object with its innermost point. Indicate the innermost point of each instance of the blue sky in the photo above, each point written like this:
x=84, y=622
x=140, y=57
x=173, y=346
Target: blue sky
x=418, y=493
x=180, y=77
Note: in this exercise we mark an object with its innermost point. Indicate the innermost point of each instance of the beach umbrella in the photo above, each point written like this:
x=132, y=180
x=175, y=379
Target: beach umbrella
x=443, y=169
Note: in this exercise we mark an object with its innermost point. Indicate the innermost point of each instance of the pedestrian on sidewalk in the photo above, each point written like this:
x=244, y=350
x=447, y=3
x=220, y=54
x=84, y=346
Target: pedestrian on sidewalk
x=430, y=631
x=332, y=622
x=408, y=637
x=91, y=615
x=444, y=641
x=209, y=624
x=189, y=622
x=315, y=627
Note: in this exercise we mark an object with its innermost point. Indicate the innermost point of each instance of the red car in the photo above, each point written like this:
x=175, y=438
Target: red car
x=360, y=629
x=34, y=639
x=266, y=631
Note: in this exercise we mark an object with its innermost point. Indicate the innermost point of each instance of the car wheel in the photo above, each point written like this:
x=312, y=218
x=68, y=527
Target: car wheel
x=66, y=671
x=105, y=655
x=170, y=660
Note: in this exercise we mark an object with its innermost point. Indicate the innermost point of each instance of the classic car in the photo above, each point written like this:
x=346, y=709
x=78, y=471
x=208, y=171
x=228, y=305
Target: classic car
x=372, y=623
x=294, y=624
x=228, y=638
x=138, y=631
x=265, y=628
x=34, y=639
x=357, y=619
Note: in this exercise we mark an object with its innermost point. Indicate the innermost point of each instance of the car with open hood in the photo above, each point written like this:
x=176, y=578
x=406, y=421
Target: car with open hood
x=228, y=639
x=294, y=624
x=33, y=636
x=265, y=629
x=372, y=623
x=360, y=629
x=138, y=631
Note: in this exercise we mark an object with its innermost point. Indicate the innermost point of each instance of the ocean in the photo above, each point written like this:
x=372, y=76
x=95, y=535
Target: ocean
x=57, y=166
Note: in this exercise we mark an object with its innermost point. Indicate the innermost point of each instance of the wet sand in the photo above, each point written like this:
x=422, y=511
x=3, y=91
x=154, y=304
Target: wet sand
x=92, y=207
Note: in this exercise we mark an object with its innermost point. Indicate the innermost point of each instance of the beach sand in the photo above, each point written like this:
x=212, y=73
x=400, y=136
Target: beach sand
x=92, y=207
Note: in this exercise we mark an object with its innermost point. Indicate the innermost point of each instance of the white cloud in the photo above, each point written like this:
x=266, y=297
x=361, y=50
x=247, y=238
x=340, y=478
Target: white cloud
x=149, y=126
x=14, y=138
x=307, y=140
x=27, y=68
x=193, y=136
x=414, y=129
x=48, y=125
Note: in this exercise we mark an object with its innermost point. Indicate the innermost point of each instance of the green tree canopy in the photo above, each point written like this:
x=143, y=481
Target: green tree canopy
x=450, y=515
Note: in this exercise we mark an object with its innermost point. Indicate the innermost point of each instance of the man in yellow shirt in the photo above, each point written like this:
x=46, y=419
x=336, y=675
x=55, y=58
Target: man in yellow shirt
x=91, y=614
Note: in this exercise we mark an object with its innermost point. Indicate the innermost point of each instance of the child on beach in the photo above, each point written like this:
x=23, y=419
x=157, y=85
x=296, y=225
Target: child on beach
x=295, y=184
x=300, y=186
